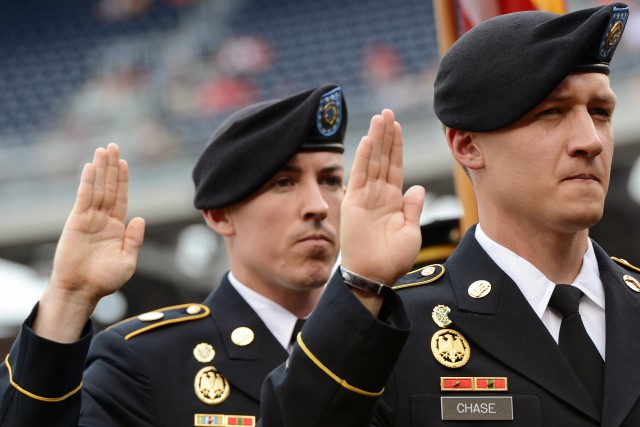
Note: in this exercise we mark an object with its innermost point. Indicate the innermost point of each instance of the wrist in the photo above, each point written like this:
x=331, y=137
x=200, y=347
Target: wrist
x=364, y=285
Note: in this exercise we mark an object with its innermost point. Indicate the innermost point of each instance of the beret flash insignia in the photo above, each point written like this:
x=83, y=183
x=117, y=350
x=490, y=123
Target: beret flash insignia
x=614, y=30
x=329, y=115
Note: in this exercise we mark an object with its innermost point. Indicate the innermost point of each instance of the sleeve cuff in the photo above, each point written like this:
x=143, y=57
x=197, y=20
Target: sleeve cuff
x=47, y=370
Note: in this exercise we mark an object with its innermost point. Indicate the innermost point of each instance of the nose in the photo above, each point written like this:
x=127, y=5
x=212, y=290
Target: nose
x=314, y=205
x=587, y=137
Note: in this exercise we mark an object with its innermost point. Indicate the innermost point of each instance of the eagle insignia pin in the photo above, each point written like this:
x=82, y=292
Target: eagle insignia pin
x=211, y=386
x=450, y=348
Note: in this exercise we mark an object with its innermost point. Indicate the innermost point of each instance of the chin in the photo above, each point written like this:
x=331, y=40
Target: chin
x=583, y=220
x=317, y=275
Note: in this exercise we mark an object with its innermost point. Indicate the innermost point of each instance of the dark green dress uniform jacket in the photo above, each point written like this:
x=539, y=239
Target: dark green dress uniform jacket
x=150, y=378
x=348, y=356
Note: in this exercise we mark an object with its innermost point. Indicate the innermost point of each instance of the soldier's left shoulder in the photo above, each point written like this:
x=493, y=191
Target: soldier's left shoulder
x=160, y=319
x=632, y=274
x=422, y=276
x=626, y=264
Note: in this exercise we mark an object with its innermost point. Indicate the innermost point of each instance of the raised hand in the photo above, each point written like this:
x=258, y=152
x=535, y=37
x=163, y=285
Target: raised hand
x=380, y=231
x=97, y=251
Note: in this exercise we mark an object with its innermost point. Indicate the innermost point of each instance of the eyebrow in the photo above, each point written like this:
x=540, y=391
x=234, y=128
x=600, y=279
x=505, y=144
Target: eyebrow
x=326, y=169
x=608, y=97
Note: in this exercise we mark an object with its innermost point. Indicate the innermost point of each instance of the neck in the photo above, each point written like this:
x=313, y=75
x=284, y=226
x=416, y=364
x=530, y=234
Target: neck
x=300, y=302
x=557, y=255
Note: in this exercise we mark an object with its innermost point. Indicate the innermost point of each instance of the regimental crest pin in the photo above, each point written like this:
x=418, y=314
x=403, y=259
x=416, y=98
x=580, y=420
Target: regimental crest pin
x=440, y=315
x=204, y=352
x=450, y=348
x=211, y=386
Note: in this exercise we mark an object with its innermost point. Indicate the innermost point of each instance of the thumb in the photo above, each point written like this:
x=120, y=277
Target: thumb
x=412, y=203
x=133, y=236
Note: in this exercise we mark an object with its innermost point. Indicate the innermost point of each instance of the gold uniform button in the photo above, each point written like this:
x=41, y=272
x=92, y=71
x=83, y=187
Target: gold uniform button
x=151, y=316
x=428, y=271
x=194, y=309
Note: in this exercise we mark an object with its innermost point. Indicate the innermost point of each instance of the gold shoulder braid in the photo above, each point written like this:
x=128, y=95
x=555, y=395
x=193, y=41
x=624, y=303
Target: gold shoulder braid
x=163, y=317
x=625, y=263
x=421, y=276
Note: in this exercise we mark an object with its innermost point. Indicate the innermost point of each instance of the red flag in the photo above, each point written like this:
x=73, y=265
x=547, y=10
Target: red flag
x=472, y=12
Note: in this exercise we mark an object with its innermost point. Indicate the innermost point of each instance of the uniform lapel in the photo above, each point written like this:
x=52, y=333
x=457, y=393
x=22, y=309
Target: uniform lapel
x=242, y=365
x=505, y=326
x=622, y=375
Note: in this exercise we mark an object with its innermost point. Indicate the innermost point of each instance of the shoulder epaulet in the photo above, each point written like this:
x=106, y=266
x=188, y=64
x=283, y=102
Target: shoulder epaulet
x=626, y=264
x=151, y=320
x=421, y=276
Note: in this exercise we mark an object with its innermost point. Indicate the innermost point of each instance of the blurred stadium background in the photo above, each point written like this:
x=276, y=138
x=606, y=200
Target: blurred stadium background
x=158, y=76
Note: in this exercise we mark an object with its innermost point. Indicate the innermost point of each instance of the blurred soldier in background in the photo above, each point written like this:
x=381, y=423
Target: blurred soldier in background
x=270, y=182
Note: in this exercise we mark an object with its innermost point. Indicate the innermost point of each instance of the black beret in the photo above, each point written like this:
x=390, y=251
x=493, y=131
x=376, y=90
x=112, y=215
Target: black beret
x=255, y=142
x=502, y=68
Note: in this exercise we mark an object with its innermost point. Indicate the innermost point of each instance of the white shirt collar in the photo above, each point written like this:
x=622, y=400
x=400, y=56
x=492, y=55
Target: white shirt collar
x=534, y=285
x=278, y=319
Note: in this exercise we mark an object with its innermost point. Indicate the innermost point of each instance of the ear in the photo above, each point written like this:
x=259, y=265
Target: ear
x=219, y=221
x=464, y=148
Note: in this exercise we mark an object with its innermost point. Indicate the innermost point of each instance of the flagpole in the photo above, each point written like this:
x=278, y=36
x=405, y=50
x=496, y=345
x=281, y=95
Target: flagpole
x=447, y=31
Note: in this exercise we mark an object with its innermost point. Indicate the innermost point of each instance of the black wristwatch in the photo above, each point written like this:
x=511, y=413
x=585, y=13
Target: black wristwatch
x=364, y=284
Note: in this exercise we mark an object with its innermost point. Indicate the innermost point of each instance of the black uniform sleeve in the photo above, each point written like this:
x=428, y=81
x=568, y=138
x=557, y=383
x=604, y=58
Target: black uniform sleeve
x=41, y=380
x=338, y=370
x=117, y=391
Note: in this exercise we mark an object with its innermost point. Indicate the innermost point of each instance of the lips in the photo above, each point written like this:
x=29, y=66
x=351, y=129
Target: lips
x=315, y=237
x=583, y=176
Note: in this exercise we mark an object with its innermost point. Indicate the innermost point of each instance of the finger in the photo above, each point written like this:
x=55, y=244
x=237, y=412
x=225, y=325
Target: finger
x=85, y=188
x=412, y=203
x=122, y=192
x=358, y=175
x=387, y=142
x=111, y=180
x=395, y=174
x=375, y=136
x=100, y=165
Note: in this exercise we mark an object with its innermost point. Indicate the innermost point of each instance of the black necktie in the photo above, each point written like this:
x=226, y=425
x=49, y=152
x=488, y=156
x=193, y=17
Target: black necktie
x=296, y=328
x=576, y=344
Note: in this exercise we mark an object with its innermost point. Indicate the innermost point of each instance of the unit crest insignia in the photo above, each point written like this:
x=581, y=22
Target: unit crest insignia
x=440, y=315
x=204, y=352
